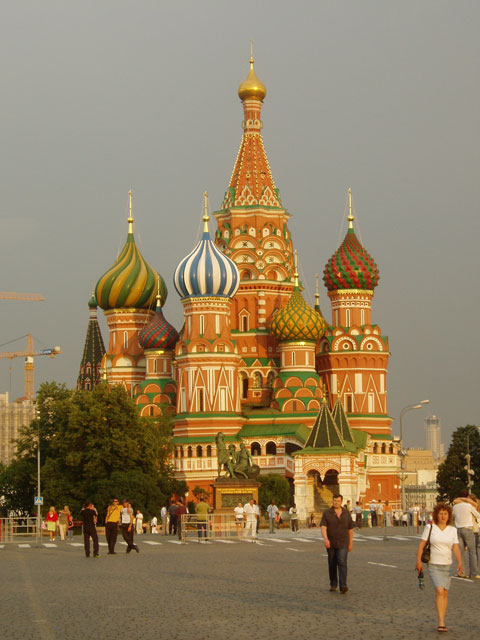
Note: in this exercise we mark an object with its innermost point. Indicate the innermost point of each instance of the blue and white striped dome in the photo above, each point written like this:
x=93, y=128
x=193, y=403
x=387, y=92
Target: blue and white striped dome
x=206, y=271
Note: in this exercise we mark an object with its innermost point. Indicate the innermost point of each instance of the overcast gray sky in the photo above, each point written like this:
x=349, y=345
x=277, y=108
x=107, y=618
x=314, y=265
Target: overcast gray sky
x=101, y=97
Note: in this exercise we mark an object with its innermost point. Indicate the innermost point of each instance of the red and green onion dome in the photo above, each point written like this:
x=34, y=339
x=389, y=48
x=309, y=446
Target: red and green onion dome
x=92, y=303
x=130, y=283
x=351, y=267
x=297, y=321
x=158, y=334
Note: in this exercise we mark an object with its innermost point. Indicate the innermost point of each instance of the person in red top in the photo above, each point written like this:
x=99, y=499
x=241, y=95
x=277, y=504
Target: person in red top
x=51, y=520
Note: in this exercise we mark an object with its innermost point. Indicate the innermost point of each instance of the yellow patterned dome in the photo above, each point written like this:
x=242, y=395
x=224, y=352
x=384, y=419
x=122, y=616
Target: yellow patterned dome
x=297, y=321
x=251, y=87
x=130, y=282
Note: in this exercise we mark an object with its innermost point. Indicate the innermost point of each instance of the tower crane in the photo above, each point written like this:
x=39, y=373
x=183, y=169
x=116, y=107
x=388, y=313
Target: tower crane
x=29, y=355
x=13, y=295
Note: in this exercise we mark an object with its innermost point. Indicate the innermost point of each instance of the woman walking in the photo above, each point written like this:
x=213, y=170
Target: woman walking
x=51, y=521
x=443, y=541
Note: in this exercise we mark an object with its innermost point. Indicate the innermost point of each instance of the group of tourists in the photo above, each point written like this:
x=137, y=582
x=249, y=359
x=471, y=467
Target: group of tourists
x=452, y=530
x=247, y=518
x=59, y=521
x=379, y=513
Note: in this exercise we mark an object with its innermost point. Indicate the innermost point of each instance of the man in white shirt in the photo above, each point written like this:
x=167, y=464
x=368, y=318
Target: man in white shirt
x=463, y=513
x=250, y=512
x=139, y=522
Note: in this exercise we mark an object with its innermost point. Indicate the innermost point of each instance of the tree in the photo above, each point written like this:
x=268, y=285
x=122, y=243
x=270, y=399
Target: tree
x=452, y=475
x=94, y=446
x=273, y=487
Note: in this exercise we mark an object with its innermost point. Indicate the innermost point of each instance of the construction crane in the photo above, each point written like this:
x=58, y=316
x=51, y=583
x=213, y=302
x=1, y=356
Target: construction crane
x=13, y=295
x=29, y=355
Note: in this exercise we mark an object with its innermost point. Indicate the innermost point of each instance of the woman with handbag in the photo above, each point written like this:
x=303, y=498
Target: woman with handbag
x=51, y=521
x=438, y=542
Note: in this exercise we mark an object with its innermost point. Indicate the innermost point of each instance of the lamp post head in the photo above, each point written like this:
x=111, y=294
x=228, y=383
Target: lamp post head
x=417, y=406
x=424, y=402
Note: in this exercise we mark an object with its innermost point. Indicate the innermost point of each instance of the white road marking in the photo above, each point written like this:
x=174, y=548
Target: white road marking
x=176, y=542
x=292, y=549
x=400, y=538
x=102, y=544
x=303, y=539
x=2, y=546
x=262, y=544
x=373, y=538
x=380, y=564
x=151, y=542
x=278, y=540
x=24, y=546
x=463, y=579
x=49, y=545
x=76, y=544
x=226, y=541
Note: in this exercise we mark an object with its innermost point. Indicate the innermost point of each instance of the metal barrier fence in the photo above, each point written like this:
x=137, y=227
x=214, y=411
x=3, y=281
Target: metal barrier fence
x=212, y=526
x=15, y=528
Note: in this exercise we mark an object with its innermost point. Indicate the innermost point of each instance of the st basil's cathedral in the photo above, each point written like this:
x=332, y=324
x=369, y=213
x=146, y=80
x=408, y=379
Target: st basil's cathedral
x=253, y=359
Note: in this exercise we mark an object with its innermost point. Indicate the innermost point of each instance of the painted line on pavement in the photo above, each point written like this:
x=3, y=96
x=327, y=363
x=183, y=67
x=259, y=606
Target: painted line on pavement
x=278, y=540
x=404, y=538
x=262, y=544
x=226, y=541
x=462, y=579
x=2, y=546
x=380, y=564
x=292, y=549
x=24, y=546
x=76, y=544
x=176, y=542
x=49, y=545
x=303, y=540
x=154, y=544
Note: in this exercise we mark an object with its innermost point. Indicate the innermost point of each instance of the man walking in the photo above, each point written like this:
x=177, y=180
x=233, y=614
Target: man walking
x=111, y=525
x=164, y=518
x=201, y=509
x=463, y=513
x=293, y=517
x=358, y=515
x=337, y=531
x=127, y=526
x=251, y=519
x=89, y=517
x=272, y=511
x=373, y=512
x=172, y=512
x=181, y=511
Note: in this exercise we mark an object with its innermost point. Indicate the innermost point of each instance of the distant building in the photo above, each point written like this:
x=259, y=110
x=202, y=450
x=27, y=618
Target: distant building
x=433, y=436
x=13, y=416
x=421, y=478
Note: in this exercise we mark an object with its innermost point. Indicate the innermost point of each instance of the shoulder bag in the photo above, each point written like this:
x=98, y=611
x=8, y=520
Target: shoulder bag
x=426, y=549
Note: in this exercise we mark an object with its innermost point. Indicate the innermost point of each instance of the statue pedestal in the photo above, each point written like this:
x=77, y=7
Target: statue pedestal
x=228, y=492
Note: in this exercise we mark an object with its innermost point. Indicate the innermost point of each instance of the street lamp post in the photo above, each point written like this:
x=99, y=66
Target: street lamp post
x=39, y=512
x=403, y=453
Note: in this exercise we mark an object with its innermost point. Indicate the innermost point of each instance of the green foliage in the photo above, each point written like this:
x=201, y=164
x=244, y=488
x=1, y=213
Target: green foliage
x=93, y=445
x=274, y=487
x=452, y=475
x=198, y=492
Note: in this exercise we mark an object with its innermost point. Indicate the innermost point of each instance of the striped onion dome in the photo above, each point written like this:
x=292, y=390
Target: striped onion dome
x=206, y=271
x=158, y=334
x=131, y=281
x=297, y=321
x=351, y=267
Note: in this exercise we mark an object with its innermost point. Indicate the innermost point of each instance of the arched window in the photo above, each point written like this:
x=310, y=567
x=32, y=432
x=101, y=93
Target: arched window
x=375, y=448
x=189, y=452
x=271, y=449
x=270, y=380
x=244, y=323
x=384, y=448
x=290, y=448
x=256, y=449
x=257, y=380
x=199, y=451
x=182, y=453
x=390, y=449
x=209, y=451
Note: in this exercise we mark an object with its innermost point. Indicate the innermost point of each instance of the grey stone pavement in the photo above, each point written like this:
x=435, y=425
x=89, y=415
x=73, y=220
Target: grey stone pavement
x=275, y=589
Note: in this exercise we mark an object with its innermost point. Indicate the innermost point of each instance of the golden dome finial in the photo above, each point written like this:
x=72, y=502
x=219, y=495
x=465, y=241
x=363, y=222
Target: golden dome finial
x=350, y=214
x=130, y=214
x=295, y=275
x=206, y=217
x=252, y=87
x=317, y=295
